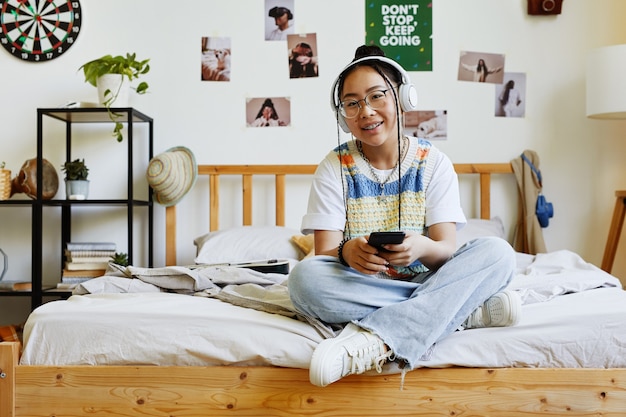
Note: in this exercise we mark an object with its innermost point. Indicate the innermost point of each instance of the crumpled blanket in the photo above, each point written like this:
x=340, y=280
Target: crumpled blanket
x=238, y=286
x=556, y=273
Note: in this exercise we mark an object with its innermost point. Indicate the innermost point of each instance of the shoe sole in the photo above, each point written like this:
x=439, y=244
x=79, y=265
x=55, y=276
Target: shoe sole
x=321, y=354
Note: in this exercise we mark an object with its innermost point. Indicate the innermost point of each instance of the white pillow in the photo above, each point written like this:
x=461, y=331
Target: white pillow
x=246, y=243
x=480, y=228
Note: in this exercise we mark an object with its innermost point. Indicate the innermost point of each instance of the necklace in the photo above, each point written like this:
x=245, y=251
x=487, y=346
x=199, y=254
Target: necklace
x=359, y=146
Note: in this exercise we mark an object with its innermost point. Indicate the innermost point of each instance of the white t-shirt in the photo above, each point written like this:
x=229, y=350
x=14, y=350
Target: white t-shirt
x=327, y=210
x=263, y=122
x=280, y=35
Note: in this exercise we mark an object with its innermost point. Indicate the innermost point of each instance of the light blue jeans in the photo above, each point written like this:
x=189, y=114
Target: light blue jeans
x=409, y=316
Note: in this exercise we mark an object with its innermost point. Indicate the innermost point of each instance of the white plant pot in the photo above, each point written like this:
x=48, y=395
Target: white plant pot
x=76, y=189
x=119, y=88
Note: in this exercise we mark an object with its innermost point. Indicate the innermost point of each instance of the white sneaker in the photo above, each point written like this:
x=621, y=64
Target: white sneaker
x=500, y=310
x=353, y=351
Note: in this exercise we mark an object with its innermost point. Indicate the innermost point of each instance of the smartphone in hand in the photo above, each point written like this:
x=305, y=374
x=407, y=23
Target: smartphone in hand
x=378, y=239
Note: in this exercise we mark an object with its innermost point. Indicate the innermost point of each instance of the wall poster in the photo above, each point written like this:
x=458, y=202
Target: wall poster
x=403, y=29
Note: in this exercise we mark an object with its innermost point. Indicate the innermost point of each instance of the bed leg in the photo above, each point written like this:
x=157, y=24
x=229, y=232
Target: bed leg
x=9, y=352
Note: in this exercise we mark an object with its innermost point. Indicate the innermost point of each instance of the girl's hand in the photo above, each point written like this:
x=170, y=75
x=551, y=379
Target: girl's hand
x=433, y=250
x=363, y=257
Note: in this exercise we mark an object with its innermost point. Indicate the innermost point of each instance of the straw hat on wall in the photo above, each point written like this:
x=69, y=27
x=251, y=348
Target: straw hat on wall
x=171, y=175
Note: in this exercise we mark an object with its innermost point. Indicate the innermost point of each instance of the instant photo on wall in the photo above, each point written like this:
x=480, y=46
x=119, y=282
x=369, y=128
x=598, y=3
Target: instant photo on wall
x=428, y=124
x=268, y=112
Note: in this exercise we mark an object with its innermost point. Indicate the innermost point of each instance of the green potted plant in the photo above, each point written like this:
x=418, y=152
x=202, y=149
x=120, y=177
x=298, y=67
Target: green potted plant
x=120, y=258
x=112, y=76
x=76, y=183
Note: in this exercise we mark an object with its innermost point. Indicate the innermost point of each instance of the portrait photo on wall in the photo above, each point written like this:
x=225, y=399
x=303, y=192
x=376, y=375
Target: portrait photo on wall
x=215, y=59
x=481, y=67
x=279, y=19
x=427, y=124
x=510, y=95
x=268, y=112
x=303, y=62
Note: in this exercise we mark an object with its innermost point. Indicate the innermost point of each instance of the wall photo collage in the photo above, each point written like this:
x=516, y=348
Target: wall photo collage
x=403, y=29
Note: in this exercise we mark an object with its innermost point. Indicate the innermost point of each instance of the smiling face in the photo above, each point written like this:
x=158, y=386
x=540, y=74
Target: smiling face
x=372, y=127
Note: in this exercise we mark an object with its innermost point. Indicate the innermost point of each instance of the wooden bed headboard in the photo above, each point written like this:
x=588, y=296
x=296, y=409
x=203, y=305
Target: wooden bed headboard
x=484, y=170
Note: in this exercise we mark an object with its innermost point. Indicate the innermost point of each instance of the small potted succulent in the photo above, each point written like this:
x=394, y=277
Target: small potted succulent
x=120, y=258
x=76, y=182
x=112, y=76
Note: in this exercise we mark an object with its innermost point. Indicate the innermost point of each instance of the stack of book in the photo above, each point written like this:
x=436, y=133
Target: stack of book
x=10, y=285
x=85, y=260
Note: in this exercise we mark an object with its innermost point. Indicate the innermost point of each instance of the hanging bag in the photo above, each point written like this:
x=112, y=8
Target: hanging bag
x=544, y=209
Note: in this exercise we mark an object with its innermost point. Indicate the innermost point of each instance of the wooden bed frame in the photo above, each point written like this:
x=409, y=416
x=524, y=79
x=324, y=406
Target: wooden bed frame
x=271, y=391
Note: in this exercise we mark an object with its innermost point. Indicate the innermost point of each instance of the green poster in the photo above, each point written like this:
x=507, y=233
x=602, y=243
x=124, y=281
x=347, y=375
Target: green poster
x=403, y=29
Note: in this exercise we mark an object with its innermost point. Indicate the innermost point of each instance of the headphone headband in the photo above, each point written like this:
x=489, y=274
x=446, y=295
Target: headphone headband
x=407, y=94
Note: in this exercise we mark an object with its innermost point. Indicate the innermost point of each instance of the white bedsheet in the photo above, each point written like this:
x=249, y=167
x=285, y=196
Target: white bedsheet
x=163, y=329
x=572, y=317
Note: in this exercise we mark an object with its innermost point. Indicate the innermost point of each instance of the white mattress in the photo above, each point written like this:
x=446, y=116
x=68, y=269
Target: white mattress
x=572, y=317
x=163, y=329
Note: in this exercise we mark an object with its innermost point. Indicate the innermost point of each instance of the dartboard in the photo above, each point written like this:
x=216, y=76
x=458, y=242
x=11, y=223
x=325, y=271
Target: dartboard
x=39, y=30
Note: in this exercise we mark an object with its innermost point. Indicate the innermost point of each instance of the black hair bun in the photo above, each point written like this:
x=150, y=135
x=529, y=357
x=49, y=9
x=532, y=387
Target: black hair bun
x=364, y=51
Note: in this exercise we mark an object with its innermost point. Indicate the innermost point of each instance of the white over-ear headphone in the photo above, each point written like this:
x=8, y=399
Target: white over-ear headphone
x=407, y=94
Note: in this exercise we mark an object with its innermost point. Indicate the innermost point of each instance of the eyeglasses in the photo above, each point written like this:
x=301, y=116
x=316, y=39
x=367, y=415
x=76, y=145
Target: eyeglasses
x=374, y=100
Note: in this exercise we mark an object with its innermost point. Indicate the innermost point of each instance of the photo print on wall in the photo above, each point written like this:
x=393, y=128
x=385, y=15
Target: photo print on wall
x=279, y=19
x=481, y=67
x=268, y=112
x=215, y=59
x=303, y=62
x=510, y=98
x=427, y=124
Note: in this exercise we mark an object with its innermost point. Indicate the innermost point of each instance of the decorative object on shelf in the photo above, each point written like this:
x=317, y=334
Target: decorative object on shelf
x=5, y=263
x=120, y=258
x=112, y=76
x=171, y=175
x=11, y=285
x=38, y=30
x=26, y=180
x=5, y=182
x=113, y=90
x=76, y=183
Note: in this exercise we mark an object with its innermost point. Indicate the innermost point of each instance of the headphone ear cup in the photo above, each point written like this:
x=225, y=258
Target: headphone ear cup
x=407, y=97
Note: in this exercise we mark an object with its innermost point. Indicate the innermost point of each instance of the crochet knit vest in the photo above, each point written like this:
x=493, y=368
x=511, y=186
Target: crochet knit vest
x=371, y=207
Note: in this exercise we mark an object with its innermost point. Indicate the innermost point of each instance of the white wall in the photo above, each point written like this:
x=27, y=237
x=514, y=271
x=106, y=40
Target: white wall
x=581, y=159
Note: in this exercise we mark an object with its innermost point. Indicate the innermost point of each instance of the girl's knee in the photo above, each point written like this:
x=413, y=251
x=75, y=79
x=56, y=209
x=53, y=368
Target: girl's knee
x=303, y=277
x=297, y=278
x=501, y=250
x=496, y=249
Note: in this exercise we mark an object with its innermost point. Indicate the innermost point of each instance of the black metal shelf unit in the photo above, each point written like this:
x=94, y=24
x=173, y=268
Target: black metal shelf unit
x=127, y=115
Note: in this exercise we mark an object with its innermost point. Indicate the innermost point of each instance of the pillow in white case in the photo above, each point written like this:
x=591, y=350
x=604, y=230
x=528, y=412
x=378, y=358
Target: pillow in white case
x=480, y=228
x=246, y=243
